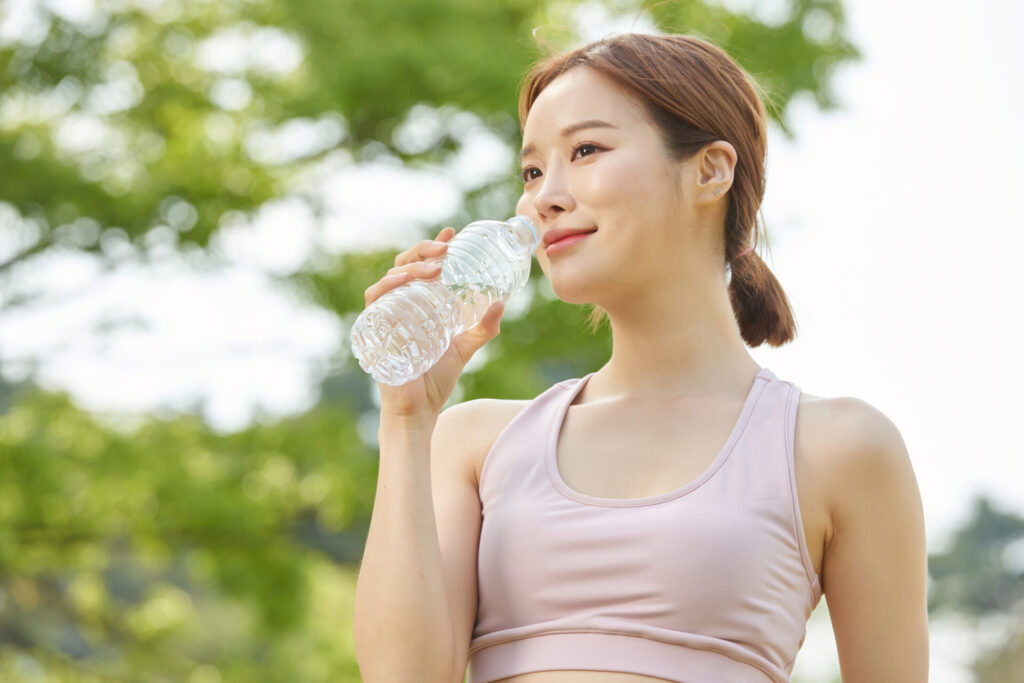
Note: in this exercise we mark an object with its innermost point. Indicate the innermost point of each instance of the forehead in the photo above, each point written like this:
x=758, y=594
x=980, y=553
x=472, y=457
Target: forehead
x=580, y=94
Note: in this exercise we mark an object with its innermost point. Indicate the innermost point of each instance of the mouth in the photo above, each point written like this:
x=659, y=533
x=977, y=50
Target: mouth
x=555, y=236
x=561, y=243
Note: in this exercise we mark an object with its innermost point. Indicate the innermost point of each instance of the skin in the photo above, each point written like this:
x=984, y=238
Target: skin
x=648, y=210
x=677, y=346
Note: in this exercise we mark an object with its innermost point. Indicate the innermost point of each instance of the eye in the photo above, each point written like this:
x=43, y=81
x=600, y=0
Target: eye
x=585, y=149
x=529, y=173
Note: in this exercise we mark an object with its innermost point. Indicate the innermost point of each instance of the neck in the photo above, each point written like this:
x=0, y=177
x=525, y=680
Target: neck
x=673, y=342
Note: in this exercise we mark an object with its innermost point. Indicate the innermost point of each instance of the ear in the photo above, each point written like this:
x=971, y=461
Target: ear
x=716, y=162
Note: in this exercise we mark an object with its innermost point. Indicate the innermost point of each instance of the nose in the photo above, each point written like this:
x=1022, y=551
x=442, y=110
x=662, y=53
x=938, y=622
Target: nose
x=553, y=196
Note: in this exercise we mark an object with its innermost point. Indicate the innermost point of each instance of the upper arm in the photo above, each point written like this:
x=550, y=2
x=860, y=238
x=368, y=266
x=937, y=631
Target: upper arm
x=874, y=572
x=459, y=434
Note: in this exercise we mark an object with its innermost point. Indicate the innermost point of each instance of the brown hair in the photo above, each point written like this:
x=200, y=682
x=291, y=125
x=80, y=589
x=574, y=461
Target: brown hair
x=695, y=94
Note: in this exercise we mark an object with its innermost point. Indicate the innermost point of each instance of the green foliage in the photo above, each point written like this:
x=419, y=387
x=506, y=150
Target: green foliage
x=770, y=53
x=168, y=141
x=163, y=140
x=981, y=575
x=374, y=61
x=169, y=547
x=973, y=576
x=1005, y=662
x=164, y=551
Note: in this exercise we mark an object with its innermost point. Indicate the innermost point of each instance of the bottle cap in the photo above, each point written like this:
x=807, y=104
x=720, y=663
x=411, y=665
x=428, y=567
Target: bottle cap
x=528, y=223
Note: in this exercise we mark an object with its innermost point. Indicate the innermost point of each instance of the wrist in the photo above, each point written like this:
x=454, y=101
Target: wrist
x=412, y=424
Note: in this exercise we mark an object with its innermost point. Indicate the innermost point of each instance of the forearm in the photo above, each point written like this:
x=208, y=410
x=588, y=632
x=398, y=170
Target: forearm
x=402, y=621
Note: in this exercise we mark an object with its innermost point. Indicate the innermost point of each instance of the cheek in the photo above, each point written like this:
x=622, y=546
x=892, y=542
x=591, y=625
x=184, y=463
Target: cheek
x=522, y=205
x=626, y=177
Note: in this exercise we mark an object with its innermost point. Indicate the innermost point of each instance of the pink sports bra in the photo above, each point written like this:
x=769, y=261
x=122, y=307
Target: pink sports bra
x=710, y=582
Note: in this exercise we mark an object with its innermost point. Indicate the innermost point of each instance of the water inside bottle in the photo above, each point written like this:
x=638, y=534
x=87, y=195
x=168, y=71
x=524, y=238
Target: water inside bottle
x=474, y=300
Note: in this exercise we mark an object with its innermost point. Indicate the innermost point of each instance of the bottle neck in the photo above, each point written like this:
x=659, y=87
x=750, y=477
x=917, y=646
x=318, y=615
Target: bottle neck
x=523, y=227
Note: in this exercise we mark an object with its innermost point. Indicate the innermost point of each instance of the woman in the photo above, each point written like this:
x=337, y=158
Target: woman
x=677, y=514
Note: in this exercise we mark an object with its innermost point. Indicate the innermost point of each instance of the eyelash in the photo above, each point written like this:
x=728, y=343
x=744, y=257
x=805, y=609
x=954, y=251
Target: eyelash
x=585, y=144
x=576, y=148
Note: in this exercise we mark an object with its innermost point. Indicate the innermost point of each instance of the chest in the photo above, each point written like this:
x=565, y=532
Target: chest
x=579, y=554
x=579, y=677
x=634, y=454
x=630, y=454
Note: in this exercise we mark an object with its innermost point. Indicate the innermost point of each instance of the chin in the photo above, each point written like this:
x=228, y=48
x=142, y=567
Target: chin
x=569, y=294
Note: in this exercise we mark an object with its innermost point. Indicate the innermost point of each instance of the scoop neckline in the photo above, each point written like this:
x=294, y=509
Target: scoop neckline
x=551, y=456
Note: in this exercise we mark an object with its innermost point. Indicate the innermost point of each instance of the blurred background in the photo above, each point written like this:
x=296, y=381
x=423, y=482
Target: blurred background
x=194, y=195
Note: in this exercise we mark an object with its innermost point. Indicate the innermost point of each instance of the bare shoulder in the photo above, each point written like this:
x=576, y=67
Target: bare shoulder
x=477, y=423
x=847, y=449
x=856, y=465
x=850, y=431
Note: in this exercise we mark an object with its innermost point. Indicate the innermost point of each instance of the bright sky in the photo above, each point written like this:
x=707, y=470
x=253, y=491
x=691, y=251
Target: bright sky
x=894, y=226
x=892, y=221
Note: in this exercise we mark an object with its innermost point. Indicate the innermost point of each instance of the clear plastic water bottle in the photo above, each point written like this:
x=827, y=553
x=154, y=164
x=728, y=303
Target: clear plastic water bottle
x=405, y=332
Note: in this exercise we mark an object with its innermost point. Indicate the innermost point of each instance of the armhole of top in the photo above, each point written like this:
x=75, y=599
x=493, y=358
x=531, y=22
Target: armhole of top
x=792, y=406
x=567, y=383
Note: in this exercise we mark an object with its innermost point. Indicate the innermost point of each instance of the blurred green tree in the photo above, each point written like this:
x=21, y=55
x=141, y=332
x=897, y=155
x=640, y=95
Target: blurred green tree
x=161, y=550
x=151, y=114
x=981, y=575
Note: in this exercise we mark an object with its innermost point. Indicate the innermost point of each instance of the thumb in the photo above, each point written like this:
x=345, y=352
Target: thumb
x=486, y=329
x=492, y=318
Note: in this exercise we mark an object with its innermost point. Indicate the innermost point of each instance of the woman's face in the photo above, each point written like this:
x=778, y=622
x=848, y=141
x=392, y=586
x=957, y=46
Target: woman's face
x=593, y=160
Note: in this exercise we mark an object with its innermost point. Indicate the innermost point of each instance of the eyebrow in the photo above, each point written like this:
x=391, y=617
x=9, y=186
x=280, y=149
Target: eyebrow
x=569, y=130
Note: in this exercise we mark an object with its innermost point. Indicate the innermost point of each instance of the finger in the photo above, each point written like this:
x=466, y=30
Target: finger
x=396, y=277
x=423, y=269
x=385, y=284
x=489, y=323
x=425, y=249
x=492, y=318
x=486, y=329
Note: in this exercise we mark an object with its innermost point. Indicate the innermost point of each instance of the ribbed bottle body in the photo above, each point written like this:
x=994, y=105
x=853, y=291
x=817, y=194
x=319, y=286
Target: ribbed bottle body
x=405, y=332
x=486, y=262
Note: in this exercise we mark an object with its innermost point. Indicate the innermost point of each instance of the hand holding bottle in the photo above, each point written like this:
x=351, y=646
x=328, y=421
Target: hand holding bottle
x=425, y=396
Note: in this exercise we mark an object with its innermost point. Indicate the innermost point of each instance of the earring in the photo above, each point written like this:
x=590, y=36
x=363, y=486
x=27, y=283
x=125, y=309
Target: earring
x=718, y=193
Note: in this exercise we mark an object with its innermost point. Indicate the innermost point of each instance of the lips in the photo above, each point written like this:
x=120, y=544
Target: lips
x=552, y=236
